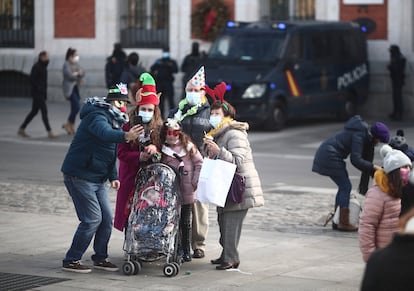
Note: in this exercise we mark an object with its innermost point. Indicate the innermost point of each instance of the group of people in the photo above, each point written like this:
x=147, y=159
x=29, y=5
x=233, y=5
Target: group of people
x=384, y=230
x=108, y=132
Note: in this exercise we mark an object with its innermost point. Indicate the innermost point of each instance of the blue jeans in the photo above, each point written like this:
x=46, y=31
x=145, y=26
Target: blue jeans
x=344, y=190
x=74, y=104
x=94, y=212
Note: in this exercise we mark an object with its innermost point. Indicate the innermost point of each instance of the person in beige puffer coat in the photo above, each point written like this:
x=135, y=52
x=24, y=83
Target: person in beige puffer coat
x=229, y=142
x=379, y=219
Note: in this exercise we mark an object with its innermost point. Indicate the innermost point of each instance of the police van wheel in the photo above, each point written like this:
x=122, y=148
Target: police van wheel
x=277, y=117
x=348, y=108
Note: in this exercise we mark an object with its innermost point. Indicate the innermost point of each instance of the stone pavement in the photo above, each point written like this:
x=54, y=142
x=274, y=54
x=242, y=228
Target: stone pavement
x=284, y=245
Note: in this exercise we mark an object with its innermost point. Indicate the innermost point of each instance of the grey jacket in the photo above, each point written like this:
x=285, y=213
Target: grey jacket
x=235, y=148
x=69, y=81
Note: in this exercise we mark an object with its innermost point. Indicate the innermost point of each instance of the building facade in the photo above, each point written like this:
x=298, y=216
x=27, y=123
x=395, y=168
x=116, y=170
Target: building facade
x=149, y=26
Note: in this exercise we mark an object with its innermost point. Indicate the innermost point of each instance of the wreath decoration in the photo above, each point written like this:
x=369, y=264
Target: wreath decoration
x=208, y=18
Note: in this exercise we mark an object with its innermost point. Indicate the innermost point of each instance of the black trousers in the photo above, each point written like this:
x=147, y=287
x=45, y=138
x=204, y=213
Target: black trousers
x=38, y=103
x=397, y=100
x=185, y=227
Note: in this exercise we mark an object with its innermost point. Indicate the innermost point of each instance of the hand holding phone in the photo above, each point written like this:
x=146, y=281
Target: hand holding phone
x=137, y=120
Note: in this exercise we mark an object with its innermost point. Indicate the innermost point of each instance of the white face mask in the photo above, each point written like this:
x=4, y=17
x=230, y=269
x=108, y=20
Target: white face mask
x=75, y=59
x=194, y=98
x=146, y=116
x=215, y=120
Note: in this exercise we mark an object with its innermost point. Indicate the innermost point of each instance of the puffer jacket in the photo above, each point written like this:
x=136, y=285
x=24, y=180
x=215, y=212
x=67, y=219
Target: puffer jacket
x=235, y=148
x=330, y=156
x=379, y=220
x=191, y=171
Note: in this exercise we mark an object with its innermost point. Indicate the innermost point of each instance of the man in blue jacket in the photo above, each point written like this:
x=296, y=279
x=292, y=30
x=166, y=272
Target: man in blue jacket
x=88, y=165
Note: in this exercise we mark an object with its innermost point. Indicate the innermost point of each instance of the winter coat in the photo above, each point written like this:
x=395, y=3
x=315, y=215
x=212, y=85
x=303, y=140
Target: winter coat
x=330, y=156
x=130, y=74
x=196, y=125
x=235, y=148
x=92, y=153
x=391, y=268
x=70, y=81
x=38, y=80
x=379, y=219
x=190, y=173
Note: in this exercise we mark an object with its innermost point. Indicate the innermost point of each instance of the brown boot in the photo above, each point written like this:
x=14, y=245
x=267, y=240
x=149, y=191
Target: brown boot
x=72, y=128
x=69, y=127
x=22, y=132
x=344, y=224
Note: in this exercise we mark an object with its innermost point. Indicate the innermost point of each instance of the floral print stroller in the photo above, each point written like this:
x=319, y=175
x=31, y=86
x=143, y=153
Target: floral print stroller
x=152, y=231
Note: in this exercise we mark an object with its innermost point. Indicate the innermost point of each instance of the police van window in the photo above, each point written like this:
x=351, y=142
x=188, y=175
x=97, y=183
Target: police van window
x=324, y=46
x=294, y=50
x=248, y=46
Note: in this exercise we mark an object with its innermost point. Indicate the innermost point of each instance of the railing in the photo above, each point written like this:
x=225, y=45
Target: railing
x=16, y=32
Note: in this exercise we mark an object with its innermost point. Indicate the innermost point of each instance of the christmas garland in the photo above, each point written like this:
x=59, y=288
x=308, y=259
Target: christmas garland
x=208, y=19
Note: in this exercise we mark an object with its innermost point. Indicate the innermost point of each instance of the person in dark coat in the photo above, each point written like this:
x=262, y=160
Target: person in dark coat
x=163, y=71
x=391, y=268
x=114, y=66
x=89, y=163
x=356, y=139
x=194, y=114
x=131, y=73
x=190, y=63
x=399, y=142
x=397, y=74
x=38, y=86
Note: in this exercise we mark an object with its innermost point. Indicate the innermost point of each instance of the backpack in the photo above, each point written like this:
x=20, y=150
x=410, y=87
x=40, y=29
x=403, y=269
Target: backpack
x=355, y=210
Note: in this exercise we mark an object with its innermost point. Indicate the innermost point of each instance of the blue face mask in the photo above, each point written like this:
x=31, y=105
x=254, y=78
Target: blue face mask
x=215, y=120
x=193, y=98
x=146, y=116
x=165, y=55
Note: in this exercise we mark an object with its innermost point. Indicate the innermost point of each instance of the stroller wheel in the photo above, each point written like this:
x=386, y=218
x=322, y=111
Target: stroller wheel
x=128, y=268
x=170, y=270
x=137, y=266
x=177, y=267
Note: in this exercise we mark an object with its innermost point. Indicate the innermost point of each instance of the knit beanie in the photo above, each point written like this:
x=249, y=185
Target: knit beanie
x=147, y=94
x=380, y=131
x=393, y=159
x=399, y=142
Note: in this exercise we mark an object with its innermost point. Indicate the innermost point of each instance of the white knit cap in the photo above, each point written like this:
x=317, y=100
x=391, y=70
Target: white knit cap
x=393, y=159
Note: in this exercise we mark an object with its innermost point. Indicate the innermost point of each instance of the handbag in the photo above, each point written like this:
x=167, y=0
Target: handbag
x=214, y=181
x=237, y=188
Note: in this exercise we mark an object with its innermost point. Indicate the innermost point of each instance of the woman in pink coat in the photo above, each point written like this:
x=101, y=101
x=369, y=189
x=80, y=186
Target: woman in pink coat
x=138, y=153
x=379, y=219
x=181, y=154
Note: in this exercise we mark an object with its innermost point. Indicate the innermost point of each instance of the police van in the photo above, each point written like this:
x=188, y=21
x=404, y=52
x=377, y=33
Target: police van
x=276, y=71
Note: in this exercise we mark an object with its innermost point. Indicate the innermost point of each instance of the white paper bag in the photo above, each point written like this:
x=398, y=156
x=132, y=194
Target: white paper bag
x=214, y=181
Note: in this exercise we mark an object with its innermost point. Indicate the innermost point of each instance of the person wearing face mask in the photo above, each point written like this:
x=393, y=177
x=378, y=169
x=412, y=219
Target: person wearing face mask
x=38, y=85
x=88, y=166
x=140, y=151
x=228, y=141
x=180, y=153
x=193, y=112
x=72, y=78
x=356, y=140
x=379, y=218
x=163, y=71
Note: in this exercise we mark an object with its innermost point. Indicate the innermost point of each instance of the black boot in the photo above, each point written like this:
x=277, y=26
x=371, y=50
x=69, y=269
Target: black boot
x=185, y=227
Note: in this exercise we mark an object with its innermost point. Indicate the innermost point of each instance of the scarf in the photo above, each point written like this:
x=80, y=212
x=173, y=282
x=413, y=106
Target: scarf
x=119, y=118
x=382, y=181
x=226, y=120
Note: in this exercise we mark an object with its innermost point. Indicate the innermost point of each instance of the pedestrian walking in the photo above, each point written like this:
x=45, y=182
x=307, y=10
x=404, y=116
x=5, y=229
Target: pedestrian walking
x=38, y=86
x=356, y=140
x=397, y=74
x=139, y=152
x=72, y=77
x=391, y=268
x=190, y=63
x=379, y=218
x=131, y=73
x=180, y=153
x=114, y=66
x=229, y=142
x=89, y=163
x=194, y=114
x=163, y=71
